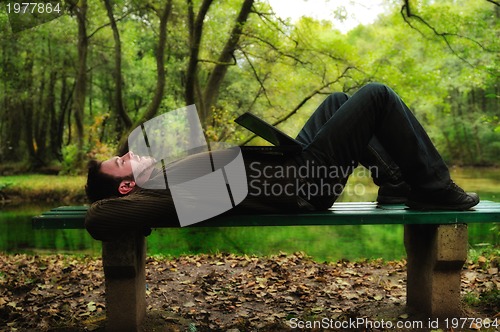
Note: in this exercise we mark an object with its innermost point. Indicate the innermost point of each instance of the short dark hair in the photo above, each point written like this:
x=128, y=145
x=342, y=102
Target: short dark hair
x=100, y=185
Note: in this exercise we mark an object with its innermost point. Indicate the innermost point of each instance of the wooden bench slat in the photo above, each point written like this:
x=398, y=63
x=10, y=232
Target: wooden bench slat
x=356, y=213
x=61, y=221
x=70, y=208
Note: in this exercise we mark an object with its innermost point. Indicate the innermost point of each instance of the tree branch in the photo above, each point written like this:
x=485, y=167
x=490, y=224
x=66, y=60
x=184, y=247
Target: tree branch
x=274, y=48
x=443, y=35
x=261, y=82
x=312, y=94
x=319, y=90
x=109, y=23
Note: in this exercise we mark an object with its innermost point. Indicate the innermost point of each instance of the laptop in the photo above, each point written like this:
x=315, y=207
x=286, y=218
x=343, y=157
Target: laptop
x=281, y=142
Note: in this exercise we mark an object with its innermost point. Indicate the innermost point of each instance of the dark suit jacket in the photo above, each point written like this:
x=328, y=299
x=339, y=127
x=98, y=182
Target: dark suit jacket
x=144, y=209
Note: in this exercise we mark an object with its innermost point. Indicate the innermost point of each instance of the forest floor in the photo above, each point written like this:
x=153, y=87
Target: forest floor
x=232, y=293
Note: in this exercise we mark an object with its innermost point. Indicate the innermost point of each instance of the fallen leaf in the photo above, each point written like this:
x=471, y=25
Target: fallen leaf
x=189, y=304
x=91, y=306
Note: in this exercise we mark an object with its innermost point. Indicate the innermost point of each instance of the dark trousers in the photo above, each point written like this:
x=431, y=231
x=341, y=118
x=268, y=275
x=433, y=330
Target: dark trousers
x=374, y=127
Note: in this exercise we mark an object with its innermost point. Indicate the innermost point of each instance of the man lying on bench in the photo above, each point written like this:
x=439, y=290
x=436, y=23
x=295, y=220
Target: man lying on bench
x=373, y=127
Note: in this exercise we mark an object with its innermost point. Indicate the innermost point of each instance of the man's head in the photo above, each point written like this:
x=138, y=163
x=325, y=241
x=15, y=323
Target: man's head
x=114, y=177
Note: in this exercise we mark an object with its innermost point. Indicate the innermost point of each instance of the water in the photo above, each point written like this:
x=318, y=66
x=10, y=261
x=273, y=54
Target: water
x=322, y=243
x=16, y=234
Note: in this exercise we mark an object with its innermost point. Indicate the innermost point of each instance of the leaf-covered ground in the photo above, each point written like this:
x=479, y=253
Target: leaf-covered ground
x=225, y=292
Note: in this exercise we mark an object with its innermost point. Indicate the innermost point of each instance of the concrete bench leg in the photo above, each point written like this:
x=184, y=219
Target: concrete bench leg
x=124, y=269
x=436, y=255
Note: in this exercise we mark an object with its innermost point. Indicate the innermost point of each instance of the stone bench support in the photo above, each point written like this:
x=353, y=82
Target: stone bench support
x=125, y=272
x=436, y=255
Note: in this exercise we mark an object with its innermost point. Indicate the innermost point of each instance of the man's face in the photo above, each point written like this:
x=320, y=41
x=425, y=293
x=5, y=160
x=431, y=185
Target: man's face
x=124, y=166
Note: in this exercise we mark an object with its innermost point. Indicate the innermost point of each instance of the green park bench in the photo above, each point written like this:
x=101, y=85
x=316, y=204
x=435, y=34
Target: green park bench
x=436, y=244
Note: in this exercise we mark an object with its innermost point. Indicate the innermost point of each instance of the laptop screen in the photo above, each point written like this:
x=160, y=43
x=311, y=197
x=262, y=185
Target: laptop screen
x=265, y=130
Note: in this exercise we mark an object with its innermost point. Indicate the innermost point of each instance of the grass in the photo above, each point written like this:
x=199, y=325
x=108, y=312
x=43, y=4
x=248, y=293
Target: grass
x=484, y=257
x=39, y=182
x=485, y=299
x=44, y=187
x=487, y=250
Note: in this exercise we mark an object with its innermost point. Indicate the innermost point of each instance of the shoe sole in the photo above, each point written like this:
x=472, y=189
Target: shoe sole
x=426, y=206
x=391, y=200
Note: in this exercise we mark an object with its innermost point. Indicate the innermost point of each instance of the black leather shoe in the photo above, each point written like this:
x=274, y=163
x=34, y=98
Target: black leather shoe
x=393, y=193
x=451, y=198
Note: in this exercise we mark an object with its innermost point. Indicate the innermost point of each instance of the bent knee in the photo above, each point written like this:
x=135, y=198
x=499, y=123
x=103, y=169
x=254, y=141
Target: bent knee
x=378, y=90
x=377, y=87
x=338, y=97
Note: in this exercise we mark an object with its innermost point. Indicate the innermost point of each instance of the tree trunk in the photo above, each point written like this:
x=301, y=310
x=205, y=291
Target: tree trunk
x=50, y=111
x=11, y=118
x=216, y=78
x=65, y=101
x=27, y=110
x=195, y=34
x=117, y=72
x=80, y=11
x=40, y=128
x=160, y=77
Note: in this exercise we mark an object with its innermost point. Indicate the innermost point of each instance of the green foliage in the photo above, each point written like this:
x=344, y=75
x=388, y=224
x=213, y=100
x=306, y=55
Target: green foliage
x=490, y=298
x=471, y=299
x=69, y=163
x=4, y=185
x=487, y=258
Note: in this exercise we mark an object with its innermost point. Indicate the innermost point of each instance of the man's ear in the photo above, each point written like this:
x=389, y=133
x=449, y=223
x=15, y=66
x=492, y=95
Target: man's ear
x=126, y=186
